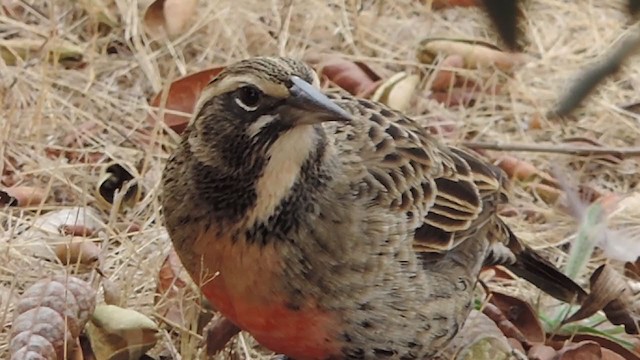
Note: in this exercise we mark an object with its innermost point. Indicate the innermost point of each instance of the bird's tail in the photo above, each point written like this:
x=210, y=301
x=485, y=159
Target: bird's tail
x=540, y=272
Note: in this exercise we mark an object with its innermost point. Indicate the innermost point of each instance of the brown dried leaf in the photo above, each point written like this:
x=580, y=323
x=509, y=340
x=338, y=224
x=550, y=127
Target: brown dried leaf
x=122, y=334
x=541, y=351
x=217, y=334
x=520, y=314
x=506, y=326
x=50, y=314
x=22, y=196
x=606, y=287
x=585, y=350
x=182, y=97
x=476, y=54
x=478, y=339
x=168, y=17
x=77, y=250
x=440, y=4
x=605, y=344
x=397, y=91
x=118, y=186
x=443, y=78
x=112, y=292
x=456, y=97
x=353, y=76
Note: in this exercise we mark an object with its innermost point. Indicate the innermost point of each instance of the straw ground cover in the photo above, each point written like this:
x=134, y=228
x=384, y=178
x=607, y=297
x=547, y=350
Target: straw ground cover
x=78, y=100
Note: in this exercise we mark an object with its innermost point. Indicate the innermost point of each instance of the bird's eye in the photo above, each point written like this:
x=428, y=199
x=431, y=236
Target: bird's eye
x=249, y=97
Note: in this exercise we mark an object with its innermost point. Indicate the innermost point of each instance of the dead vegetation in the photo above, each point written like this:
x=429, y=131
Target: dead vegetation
x=83, y=87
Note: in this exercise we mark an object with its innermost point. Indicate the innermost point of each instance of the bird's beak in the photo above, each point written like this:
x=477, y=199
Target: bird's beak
x=312, y=106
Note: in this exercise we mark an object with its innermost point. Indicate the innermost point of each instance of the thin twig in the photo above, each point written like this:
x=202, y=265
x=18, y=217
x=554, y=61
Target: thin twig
x=556, y=149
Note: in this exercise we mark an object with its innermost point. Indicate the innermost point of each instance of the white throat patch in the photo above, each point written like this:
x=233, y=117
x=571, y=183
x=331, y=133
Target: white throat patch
x=286, y=157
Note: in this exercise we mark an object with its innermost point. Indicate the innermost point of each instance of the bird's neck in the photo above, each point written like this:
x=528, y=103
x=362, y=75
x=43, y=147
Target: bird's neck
x=294, y=161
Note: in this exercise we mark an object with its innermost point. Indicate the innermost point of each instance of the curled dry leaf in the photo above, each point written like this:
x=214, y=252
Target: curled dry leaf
x=585, y=350
x=506, y=326
x=112, y=292
x=168, y=17
x=541, y=351
x=118, y=185
x=353, y=76
x=217, y=334
x=607, y=345
x=118, y=333
x=181, y=97
x=520, y=314
x=45, y=234
x=611, y=294
x=22, y=196
x=77, y=250
x=444, y=78
x=397, y=91
x=16, y=50
x=521, y=170
x=476, y=54
x=50, y=314
x=478, y=339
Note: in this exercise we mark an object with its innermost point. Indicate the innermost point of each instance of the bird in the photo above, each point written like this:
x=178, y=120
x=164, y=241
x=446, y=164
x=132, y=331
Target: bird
x=334, y=227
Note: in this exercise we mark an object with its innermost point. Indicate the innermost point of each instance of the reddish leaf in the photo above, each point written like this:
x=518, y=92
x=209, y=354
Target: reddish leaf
x=440, y=4
x=521, y=314
x=217, y=334
x=605, y=344
x=182, y=97
x=541, y=352
x=585, y=350
x=355, y=77
x=506, y=326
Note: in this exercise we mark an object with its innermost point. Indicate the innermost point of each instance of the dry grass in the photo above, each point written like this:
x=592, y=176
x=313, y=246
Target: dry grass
x=43, y=102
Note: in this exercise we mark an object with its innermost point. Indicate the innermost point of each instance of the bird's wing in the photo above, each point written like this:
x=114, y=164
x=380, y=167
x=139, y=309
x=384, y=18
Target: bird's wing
x=450, y=194
x=414, y=175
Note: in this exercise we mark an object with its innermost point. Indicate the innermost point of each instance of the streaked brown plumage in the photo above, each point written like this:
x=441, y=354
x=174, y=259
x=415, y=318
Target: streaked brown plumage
x=331, y=227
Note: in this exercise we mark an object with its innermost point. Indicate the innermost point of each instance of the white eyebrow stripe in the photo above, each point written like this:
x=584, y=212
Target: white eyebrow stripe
x=259, y=124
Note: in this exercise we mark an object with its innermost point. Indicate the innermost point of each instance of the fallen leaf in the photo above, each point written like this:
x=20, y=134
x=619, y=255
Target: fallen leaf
x=476, y=54
x=456, y=97
x=520, y=314
x=444, y=77
x=77, y=250
x=118, y=185
x=478, y=339
x=169, y=17
x=522, y=170
x=120, y=334
x=585, y=350
x=22, y=196
x=505, y=325
x=217, y=334
x=182, y=97
x=605, y=344
x=397, y=91
x=112, y=292
x=440, y=4
x=610, y=293
x=547, y=193
x=541, y=351
x=353, y=76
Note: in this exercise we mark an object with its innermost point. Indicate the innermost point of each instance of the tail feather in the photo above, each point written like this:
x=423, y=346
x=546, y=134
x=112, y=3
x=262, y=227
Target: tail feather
x=540, y=272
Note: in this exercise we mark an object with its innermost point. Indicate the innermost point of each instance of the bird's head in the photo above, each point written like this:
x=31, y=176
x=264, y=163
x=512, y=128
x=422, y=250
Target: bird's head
x=256, y=133
x=256, y=104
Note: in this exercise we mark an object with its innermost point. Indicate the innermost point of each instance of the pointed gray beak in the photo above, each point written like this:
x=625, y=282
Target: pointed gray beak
x=311, y=106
